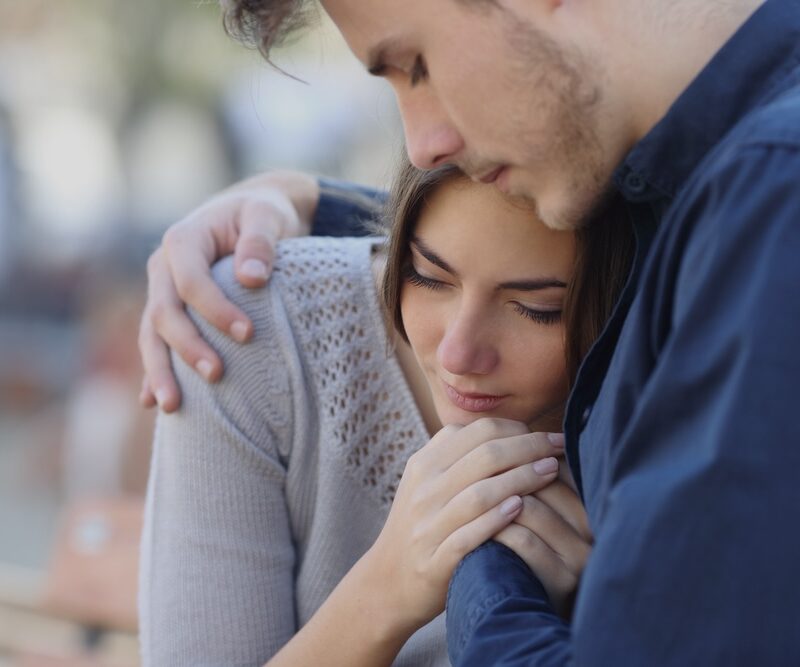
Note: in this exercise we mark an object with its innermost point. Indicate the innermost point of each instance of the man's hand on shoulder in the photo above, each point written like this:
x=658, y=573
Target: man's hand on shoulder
x=246, y=220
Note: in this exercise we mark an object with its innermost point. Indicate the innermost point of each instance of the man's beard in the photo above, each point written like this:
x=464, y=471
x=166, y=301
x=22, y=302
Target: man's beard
x=567, y=95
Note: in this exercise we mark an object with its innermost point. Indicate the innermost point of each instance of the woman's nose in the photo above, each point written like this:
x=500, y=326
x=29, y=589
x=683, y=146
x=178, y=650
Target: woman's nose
x=466, y=348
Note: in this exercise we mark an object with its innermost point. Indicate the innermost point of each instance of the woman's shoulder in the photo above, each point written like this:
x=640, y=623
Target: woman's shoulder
x=320, y=308
x=327, y=289
x=306, y=268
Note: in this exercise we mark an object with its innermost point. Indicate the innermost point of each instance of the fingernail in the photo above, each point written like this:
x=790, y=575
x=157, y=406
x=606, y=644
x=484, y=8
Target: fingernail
x=161, y=397
x=546, y=466
x=239, y=331
x=254, y=268
x=205, y=368
x=556, y=439
x=511, y=506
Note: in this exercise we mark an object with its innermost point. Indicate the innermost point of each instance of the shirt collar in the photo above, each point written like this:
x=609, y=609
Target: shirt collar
x=743, y=74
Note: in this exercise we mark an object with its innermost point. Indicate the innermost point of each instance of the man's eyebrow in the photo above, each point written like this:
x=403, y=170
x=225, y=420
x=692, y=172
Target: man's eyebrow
x=376, y=56
x=431, y=256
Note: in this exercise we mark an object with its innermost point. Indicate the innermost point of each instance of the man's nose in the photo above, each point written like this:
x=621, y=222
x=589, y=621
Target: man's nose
x=431, y=139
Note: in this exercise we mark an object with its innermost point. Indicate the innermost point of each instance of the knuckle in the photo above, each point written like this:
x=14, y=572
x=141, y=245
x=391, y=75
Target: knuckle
x=530, y=506
x=485, y=428
x=478, y=497
x=187, y=288
x=450, y=430
x=460, y=544
x=154, y=260
x=491, y=454
x=158, y=313
x=540, y=444
x=173, y=237
x=565, y=580
x=517, y=538
x=495, y=427
x=413, y=462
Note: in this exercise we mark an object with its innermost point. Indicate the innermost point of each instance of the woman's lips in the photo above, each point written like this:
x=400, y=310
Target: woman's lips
x=472, y=402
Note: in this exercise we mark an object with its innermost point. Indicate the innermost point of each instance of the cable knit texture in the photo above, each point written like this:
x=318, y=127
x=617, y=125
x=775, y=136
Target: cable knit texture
x=267, y=487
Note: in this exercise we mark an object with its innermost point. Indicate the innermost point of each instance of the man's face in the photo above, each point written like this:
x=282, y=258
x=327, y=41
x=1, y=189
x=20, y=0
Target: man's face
x=481, y=86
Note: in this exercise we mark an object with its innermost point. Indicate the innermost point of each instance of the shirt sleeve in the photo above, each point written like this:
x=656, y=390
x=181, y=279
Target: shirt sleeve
x=216, y=582
x=498, y=614
x=697, y=545
x=346, y=209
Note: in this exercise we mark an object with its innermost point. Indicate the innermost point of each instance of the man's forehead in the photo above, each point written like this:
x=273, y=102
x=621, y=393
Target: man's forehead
x=373, y=28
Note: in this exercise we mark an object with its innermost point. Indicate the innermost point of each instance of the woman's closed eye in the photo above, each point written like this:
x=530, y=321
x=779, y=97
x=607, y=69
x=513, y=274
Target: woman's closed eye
x=538, y=316
x=416, y=278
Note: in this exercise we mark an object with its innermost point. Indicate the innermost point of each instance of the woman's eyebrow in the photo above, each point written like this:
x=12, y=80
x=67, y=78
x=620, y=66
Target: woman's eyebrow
x=529, y=285
x=431, y=256
x=533, y=285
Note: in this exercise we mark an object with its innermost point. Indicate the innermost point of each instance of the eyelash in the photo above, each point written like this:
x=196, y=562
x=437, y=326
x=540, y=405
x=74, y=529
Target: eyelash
x=415, y=278
x=539, y=316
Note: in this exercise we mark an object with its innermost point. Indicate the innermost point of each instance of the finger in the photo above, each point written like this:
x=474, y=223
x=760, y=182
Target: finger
x=455, y=445
x=560, y=498
x=186, y=270
x=557, y=533
x=260, y=228
x=165, y=322
x=474, y=533
x=537, y=554
x=147, y=399
x=546, y=564
x=158, y=370
x=484, y=494
x=496, y=456
x=565, y=474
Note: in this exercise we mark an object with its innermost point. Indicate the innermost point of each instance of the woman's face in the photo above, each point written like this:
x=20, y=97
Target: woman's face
x=481, y=304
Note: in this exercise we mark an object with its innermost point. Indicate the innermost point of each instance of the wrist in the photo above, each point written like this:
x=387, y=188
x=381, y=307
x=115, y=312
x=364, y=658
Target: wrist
x=302, y=191
x=392, y=619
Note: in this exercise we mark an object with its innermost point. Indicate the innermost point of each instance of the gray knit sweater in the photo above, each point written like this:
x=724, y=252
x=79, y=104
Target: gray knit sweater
x=268, y=486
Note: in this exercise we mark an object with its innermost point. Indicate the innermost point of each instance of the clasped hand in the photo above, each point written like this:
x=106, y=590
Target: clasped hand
x=491, y=478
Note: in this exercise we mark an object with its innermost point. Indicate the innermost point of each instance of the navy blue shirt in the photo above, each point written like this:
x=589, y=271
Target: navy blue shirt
x=683, y=429
x=684, y=426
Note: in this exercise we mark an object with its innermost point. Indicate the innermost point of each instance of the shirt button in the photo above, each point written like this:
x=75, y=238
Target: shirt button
x=635, y=184
x=585, y=416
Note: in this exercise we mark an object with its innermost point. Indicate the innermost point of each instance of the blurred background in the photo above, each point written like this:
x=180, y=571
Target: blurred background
x=116, y=119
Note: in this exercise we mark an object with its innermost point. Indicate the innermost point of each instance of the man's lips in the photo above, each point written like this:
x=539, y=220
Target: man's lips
x=472, y=402
x=491, y=177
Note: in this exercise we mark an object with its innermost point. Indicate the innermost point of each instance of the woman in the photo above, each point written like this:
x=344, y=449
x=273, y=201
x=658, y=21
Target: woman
x=280, y=522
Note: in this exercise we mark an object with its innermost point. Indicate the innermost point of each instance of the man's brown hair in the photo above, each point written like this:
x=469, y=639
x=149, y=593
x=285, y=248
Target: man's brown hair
x=265, y=24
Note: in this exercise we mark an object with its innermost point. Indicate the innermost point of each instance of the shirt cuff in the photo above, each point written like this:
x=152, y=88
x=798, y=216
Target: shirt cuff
x=346, y=209
x=498, y=613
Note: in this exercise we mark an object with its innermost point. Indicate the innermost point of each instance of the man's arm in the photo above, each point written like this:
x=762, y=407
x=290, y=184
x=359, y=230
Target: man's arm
x=246, y=220
x=498, y=614
x=696, y=549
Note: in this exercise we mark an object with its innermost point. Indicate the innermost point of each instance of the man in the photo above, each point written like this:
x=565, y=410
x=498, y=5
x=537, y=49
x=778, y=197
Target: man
x=680, y=430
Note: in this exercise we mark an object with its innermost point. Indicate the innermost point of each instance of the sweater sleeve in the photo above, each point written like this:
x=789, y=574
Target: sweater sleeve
x=216, y=580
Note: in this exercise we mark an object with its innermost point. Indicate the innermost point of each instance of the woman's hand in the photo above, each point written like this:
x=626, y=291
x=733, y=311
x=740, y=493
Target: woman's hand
x=456, y=492
x=551, y=534
x=247, y=220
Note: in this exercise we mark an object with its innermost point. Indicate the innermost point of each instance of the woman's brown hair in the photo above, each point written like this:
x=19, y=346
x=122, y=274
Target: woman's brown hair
x=604, y=251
